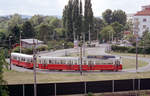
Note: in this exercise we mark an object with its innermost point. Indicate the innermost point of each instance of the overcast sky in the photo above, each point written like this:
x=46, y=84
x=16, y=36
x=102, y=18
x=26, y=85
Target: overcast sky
x=55, y=7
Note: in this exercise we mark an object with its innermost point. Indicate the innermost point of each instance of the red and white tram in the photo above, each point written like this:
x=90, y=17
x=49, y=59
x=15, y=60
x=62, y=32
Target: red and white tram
x=67, y=63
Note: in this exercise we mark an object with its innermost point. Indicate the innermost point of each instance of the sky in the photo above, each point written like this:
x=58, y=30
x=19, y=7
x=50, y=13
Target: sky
x=55, y=7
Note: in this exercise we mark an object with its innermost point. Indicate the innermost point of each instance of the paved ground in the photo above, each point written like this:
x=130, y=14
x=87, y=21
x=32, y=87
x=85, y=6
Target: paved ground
x=99, y=50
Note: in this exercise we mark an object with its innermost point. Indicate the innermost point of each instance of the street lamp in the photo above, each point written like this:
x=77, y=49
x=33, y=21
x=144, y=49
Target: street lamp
x=10, y=50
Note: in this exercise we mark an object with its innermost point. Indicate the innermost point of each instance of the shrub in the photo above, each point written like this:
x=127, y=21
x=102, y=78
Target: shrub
x=130, y=49
x=23, y=50
x=42, y=48
x=70, y=45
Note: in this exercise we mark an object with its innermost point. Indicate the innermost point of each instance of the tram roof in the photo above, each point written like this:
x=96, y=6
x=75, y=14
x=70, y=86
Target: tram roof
x=45, y=57
x=20, y=54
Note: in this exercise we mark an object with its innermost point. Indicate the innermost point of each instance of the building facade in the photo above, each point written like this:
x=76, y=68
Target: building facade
x=141, y=21
x=29, y=43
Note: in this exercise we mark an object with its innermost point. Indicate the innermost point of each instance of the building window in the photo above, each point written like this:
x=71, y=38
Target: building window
x=144, y=20
x=144, y=26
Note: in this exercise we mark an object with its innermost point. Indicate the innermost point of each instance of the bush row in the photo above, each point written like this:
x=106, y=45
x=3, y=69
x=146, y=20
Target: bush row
x=130, y=49
x=29, y=50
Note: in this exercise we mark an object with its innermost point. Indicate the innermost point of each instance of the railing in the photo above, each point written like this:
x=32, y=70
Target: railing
x=54, y=89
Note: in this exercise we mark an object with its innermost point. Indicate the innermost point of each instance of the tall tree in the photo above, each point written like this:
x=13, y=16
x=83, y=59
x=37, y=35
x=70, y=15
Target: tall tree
x=14, y=20
x=75, y=17
x=36, y=20
x=119, y=16
x=80, y=19
x=15, y=33
x=45, y=32
x=28, y=30
x=118, y=28
x=72, y=19
x=107, y=34
x=98, y=26
x=107, y=16
x=88, y=19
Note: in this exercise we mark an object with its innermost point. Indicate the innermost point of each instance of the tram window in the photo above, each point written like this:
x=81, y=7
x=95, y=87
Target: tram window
x=44, y=61
x=84, y=62
x=70, y=62
x=75, y=62
x=55, y=62
x=63, y=62
x=96, y=62
x=50, y=61
x=22, y=59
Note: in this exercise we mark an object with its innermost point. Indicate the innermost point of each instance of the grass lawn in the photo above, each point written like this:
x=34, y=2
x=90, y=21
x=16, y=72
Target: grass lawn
x=131, y=63
x=13, y=77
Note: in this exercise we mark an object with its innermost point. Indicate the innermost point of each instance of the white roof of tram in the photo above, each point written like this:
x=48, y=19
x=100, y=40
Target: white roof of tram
x=60, y=58
x=21, y=55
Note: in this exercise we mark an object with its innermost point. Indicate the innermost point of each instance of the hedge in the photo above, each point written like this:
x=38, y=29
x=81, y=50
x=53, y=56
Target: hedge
x=130, y=49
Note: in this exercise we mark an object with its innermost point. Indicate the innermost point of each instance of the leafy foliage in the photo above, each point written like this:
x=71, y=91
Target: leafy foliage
x=107, y=34
x=28, y=30
x=107, y=16
x=3, y=88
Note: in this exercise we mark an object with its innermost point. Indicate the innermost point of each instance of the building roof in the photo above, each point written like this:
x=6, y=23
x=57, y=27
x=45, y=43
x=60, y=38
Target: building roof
x=30, y=41
x=144, y=12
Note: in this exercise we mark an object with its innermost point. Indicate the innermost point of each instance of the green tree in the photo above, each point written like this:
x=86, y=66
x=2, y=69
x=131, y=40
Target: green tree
x=107, y=34
x=36, y=20
x=72, y=19
x=3, y=89
x=15, y=33
x=107, y=16
x=118, y=28
x=56, y=23
x=69, y=21
x=27, y=30
x=60, y=33
x=98, y=26
x=14, y=20
x=88, y=18
x=119, y=16
x=45, y=32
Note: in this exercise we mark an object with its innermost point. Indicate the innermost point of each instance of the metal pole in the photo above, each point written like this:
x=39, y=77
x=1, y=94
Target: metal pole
x=81, y=57
x=10, y=51
x=55, y=89
x=136, y=54
x=34, y=61
x=84, y=45
x=113, y=86
x=85, y=88
x=90, y=33
x=20, y=41
x=23, y=90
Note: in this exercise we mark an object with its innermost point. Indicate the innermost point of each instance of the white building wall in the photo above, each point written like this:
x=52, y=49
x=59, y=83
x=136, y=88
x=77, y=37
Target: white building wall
x=143, y=25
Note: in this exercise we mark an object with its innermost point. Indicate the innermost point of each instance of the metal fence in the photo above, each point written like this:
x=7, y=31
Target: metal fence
x=53, y=89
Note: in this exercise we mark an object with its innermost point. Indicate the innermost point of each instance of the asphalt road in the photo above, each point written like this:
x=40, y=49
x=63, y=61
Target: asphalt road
x=99, y=50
